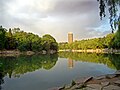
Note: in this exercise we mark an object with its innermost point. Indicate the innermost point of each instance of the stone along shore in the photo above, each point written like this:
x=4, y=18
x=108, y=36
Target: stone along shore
x=104, y=82
x=17, y=52
x=93, y=51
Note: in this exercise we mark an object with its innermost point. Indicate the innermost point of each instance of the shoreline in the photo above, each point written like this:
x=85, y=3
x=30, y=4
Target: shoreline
x=43, y=52
x=103, y=82
x=93, y=51
x=17, y=52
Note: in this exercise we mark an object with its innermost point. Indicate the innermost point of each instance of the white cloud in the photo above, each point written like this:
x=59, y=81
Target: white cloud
x=56, y=17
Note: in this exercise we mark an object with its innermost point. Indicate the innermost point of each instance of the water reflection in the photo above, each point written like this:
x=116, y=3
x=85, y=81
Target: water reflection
x=111, y=60
x=49, y=71
x=70, y=63
x=16, y=66
x=1, y=80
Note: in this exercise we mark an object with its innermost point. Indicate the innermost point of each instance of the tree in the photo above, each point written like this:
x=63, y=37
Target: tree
x=116, y=40
x=95, y=43
x=108, y=40
x=2, y=37
x=113, y=8
x=49, y=43
x=23, y=41
x=14, y=30
x=10, y=43
x=1, y=79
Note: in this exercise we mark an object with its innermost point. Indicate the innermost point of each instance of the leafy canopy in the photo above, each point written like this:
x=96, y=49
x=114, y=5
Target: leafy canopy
x=113, y=7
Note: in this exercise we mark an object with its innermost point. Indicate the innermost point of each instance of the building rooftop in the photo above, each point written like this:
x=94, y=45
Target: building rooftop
x=70, y=33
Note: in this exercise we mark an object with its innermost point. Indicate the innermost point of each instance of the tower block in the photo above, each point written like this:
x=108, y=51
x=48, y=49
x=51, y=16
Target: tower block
x=70, y=37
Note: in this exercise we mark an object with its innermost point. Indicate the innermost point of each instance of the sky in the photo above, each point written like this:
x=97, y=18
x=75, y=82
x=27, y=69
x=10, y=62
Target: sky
x=55, y=17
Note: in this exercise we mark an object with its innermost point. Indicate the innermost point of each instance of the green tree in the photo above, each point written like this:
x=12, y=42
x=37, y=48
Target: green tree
x=112, y=6
x=108, y=40
x=23, y=41
x=10, y=43
x=49, y=43
x=36, y=43
x=21, y=38
x=95, y=43
x=2, y=37
x=116, y=40
x=14, y=30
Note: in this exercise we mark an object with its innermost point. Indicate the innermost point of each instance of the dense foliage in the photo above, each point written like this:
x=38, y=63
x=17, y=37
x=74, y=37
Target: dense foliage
x=23, y=41
x=2, y=37
x=116, y=40
x=95, y=43
x=110, y=41
x=112, y=6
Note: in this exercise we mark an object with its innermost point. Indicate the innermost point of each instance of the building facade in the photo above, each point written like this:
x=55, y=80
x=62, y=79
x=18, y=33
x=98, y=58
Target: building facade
x=70, y=37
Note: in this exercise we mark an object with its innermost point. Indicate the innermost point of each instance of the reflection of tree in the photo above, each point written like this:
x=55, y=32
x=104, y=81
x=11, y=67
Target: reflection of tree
x=112, y=61
x=49, y=62
x=15, y=66
x=1, y=80
x=115, y=59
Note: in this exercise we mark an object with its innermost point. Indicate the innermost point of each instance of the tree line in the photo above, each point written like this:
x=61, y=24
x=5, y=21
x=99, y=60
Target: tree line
x=109, y=41
x=16, y=39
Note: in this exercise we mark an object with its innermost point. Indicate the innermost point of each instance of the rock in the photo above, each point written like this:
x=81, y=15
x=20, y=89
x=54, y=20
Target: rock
x=95, y=86
x=68, y=87
x=30, y=52
x=111, y=87
x=52, y=51
x=117, y=72
x=55, y=88
x=117, y=82
x=44, y=52
x=105, y=83
x=80, y=86
x=81, y=80
x=73, y=87
x=88, y=88
x=73, y=83
x=110, y=76
x=62, y=88
x=87, y=79
x=100, y=77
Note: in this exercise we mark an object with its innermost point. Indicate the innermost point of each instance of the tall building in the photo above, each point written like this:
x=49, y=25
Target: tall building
x=70, y=37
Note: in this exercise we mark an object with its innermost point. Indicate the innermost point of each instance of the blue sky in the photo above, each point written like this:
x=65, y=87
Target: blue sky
x=55, y=17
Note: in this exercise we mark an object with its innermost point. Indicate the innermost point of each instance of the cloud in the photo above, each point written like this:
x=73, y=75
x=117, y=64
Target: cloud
x=56, y=17
x=63, y=7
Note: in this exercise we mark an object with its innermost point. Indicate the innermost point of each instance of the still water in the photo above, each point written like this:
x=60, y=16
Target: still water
x=43, y=72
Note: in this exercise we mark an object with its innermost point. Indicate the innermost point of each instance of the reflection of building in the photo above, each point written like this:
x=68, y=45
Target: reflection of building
x=70, y=63
x=70, y=37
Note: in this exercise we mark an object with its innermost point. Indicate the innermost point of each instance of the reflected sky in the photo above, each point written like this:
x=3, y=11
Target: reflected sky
x=62, y=72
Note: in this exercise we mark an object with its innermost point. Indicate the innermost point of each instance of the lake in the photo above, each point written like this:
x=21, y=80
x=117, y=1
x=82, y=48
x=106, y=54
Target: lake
x=43, y=72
